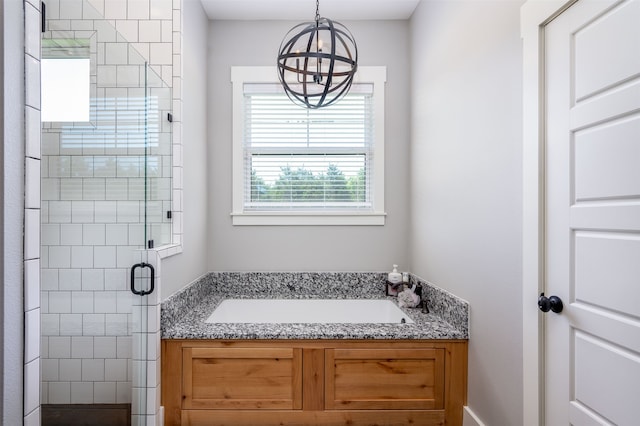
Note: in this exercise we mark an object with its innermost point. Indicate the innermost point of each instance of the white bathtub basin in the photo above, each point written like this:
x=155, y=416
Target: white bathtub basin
x=308, y=311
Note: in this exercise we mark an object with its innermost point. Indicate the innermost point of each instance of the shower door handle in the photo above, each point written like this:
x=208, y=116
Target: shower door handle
x=133, y=276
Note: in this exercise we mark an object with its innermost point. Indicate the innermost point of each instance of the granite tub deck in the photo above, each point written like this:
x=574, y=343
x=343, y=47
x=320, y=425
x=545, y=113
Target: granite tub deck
x=184, y=314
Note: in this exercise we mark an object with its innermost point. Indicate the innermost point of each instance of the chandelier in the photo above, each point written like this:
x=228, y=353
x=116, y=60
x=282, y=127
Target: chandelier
x=317, y=62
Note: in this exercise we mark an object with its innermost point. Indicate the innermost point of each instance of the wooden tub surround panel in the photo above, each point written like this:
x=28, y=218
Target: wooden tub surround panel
x=313, y=382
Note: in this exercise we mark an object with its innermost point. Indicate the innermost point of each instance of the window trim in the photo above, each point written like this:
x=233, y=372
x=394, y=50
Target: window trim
x=377, y=75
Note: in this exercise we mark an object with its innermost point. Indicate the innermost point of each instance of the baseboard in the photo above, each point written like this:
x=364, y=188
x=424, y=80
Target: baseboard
x=86, y=414
x=469, y=418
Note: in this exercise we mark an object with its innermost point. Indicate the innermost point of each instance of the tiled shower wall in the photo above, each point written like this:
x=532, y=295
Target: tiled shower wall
x=91, y=209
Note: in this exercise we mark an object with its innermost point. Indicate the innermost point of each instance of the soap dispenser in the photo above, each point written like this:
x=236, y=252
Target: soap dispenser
x=394, y=282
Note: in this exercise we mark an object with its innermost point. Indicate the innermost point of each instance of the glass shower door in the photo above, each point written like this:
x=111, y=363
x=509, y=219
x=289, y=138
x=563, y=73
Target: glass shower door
x=106, y=199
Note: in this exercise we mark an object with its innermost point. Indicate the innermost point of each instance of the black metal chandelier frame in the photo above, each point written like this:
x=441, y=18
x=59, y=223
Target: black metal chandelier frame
x=301, y=71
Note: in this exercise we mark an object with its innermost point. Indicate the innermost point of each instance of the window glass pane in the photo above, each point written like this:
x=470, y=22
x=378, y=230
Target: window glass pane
x=65, y=89
x=297, y=158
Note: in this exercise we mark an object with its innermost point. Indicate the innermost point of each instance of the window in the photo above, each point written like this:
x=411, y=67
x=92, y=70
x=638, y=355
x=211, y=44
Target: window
x=294, y=166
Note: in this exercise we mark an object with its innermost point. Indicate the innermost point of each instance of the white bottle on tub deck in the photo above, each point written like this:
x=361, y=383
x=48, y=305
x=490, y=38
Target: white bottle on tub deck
x=394, y=277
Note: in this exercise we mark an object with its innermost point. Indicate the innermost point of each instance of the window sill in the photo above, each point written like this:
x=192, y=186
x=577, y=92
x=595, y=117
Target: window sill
x=308, y=219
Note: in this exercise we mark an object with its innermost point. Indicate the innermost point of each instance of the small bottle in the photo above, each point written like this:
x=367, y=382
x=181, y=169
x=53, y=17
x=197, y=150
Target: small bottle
x=395, y=277
x=394, y=282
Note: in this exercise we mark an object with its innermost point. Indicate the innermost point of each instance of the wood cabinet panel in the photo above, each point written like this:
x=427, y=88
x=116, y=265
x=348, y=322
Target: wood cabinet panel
x=312, y=382
x=224, y=378
x=384, y=379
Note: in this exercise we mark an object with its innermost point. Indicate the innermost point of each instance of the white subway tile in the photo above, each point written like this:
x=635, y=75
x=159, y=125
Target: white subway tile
x=116, y=53
x=106, y=211
x=128, y=211
x=56, y=25
x=93, y=370
x=31, y=30
x=115, y=279
x=81, y=25
x=82, y=302
x=82, y=166
x=150, y=32
x=70, y=279
x=82, y=347
x=34, y=418
x=70, y=234
x=32, y=183
x=32, y=234
x=32, y=75
x=93, y=10
x=104, y=392
x=50, y=142
x=32, y=284
x=82, y=211
x=106, y=303
x=93, y=324
x=71, y=324
x=50, y=234
x=138, y=52
x=59, y=392
x=31, y=335
x=128, y=75
x=136, y=234
x=128, y=29
x=70, y=370
x=50, y=189
x=81, y=392
x=124, y=256
x=93, y=189
x=116, y=189
x=59, y=347
x=49, y=279
x=49, y=369
x=94, y=234
x=81, y=257
x=104, y=166
x=105, y=347
x=161, y=9
x=123, y=349
x=50, y=324
x=167, y=32
x=59, y=257
x=135, y=189
x=107, y=76
x=115, y=370
x=123, y=392
x=138, y=9
x=60, y=302
x=124, y=300
x=161, y=53
x=105, y=257
x=70, y=9
x=31, y=386
x=33, y=132
x=71, y=189
x=116, y=324
x=115, y=9
x=93, y=280
x=59, y=166
x=44, y=300
x=60, y=211
x=117, y=234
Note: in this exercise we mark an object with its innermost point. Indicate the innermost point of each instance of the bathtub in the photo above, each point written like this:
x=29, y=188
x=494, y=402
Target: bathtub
x=308, y=311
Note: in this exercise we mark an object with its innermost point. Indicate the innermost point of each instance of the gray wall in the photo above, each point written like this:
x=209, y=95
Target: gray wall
x=323, y=248
x=177, y=271
x=466, y=183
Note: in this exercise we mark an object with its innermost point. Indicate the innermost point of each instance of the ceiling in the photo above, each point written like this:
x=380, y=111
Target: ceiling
x=305, y=10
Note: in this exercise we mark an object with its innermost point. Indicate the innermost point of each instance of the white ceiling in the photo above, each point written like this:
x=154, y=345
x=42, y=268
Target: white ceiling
x=305, y=10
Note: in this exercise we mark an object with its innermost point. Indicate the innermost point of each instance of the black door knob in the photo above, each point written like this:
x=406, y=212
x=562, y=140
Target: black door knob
x=551, y=303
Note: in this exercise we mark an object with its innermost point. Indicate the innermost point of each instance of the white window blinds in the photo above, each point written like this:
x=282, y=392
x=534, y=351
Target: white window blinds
x=301, y=159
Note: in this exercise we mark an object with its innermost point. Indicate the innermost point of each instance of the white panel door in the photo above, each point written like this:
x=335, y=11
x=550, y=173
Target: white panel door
x=592, y=247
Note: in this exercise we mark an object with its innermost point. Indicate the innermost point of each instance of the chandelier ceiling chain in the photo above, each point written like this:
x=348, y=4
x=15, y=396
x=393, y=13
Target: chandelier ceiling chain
x=317, y=62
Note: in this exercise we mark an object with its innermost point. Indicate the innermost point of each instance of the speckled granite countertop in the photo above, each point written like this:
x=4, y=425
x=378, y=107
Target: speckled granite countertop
x=184, y=313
